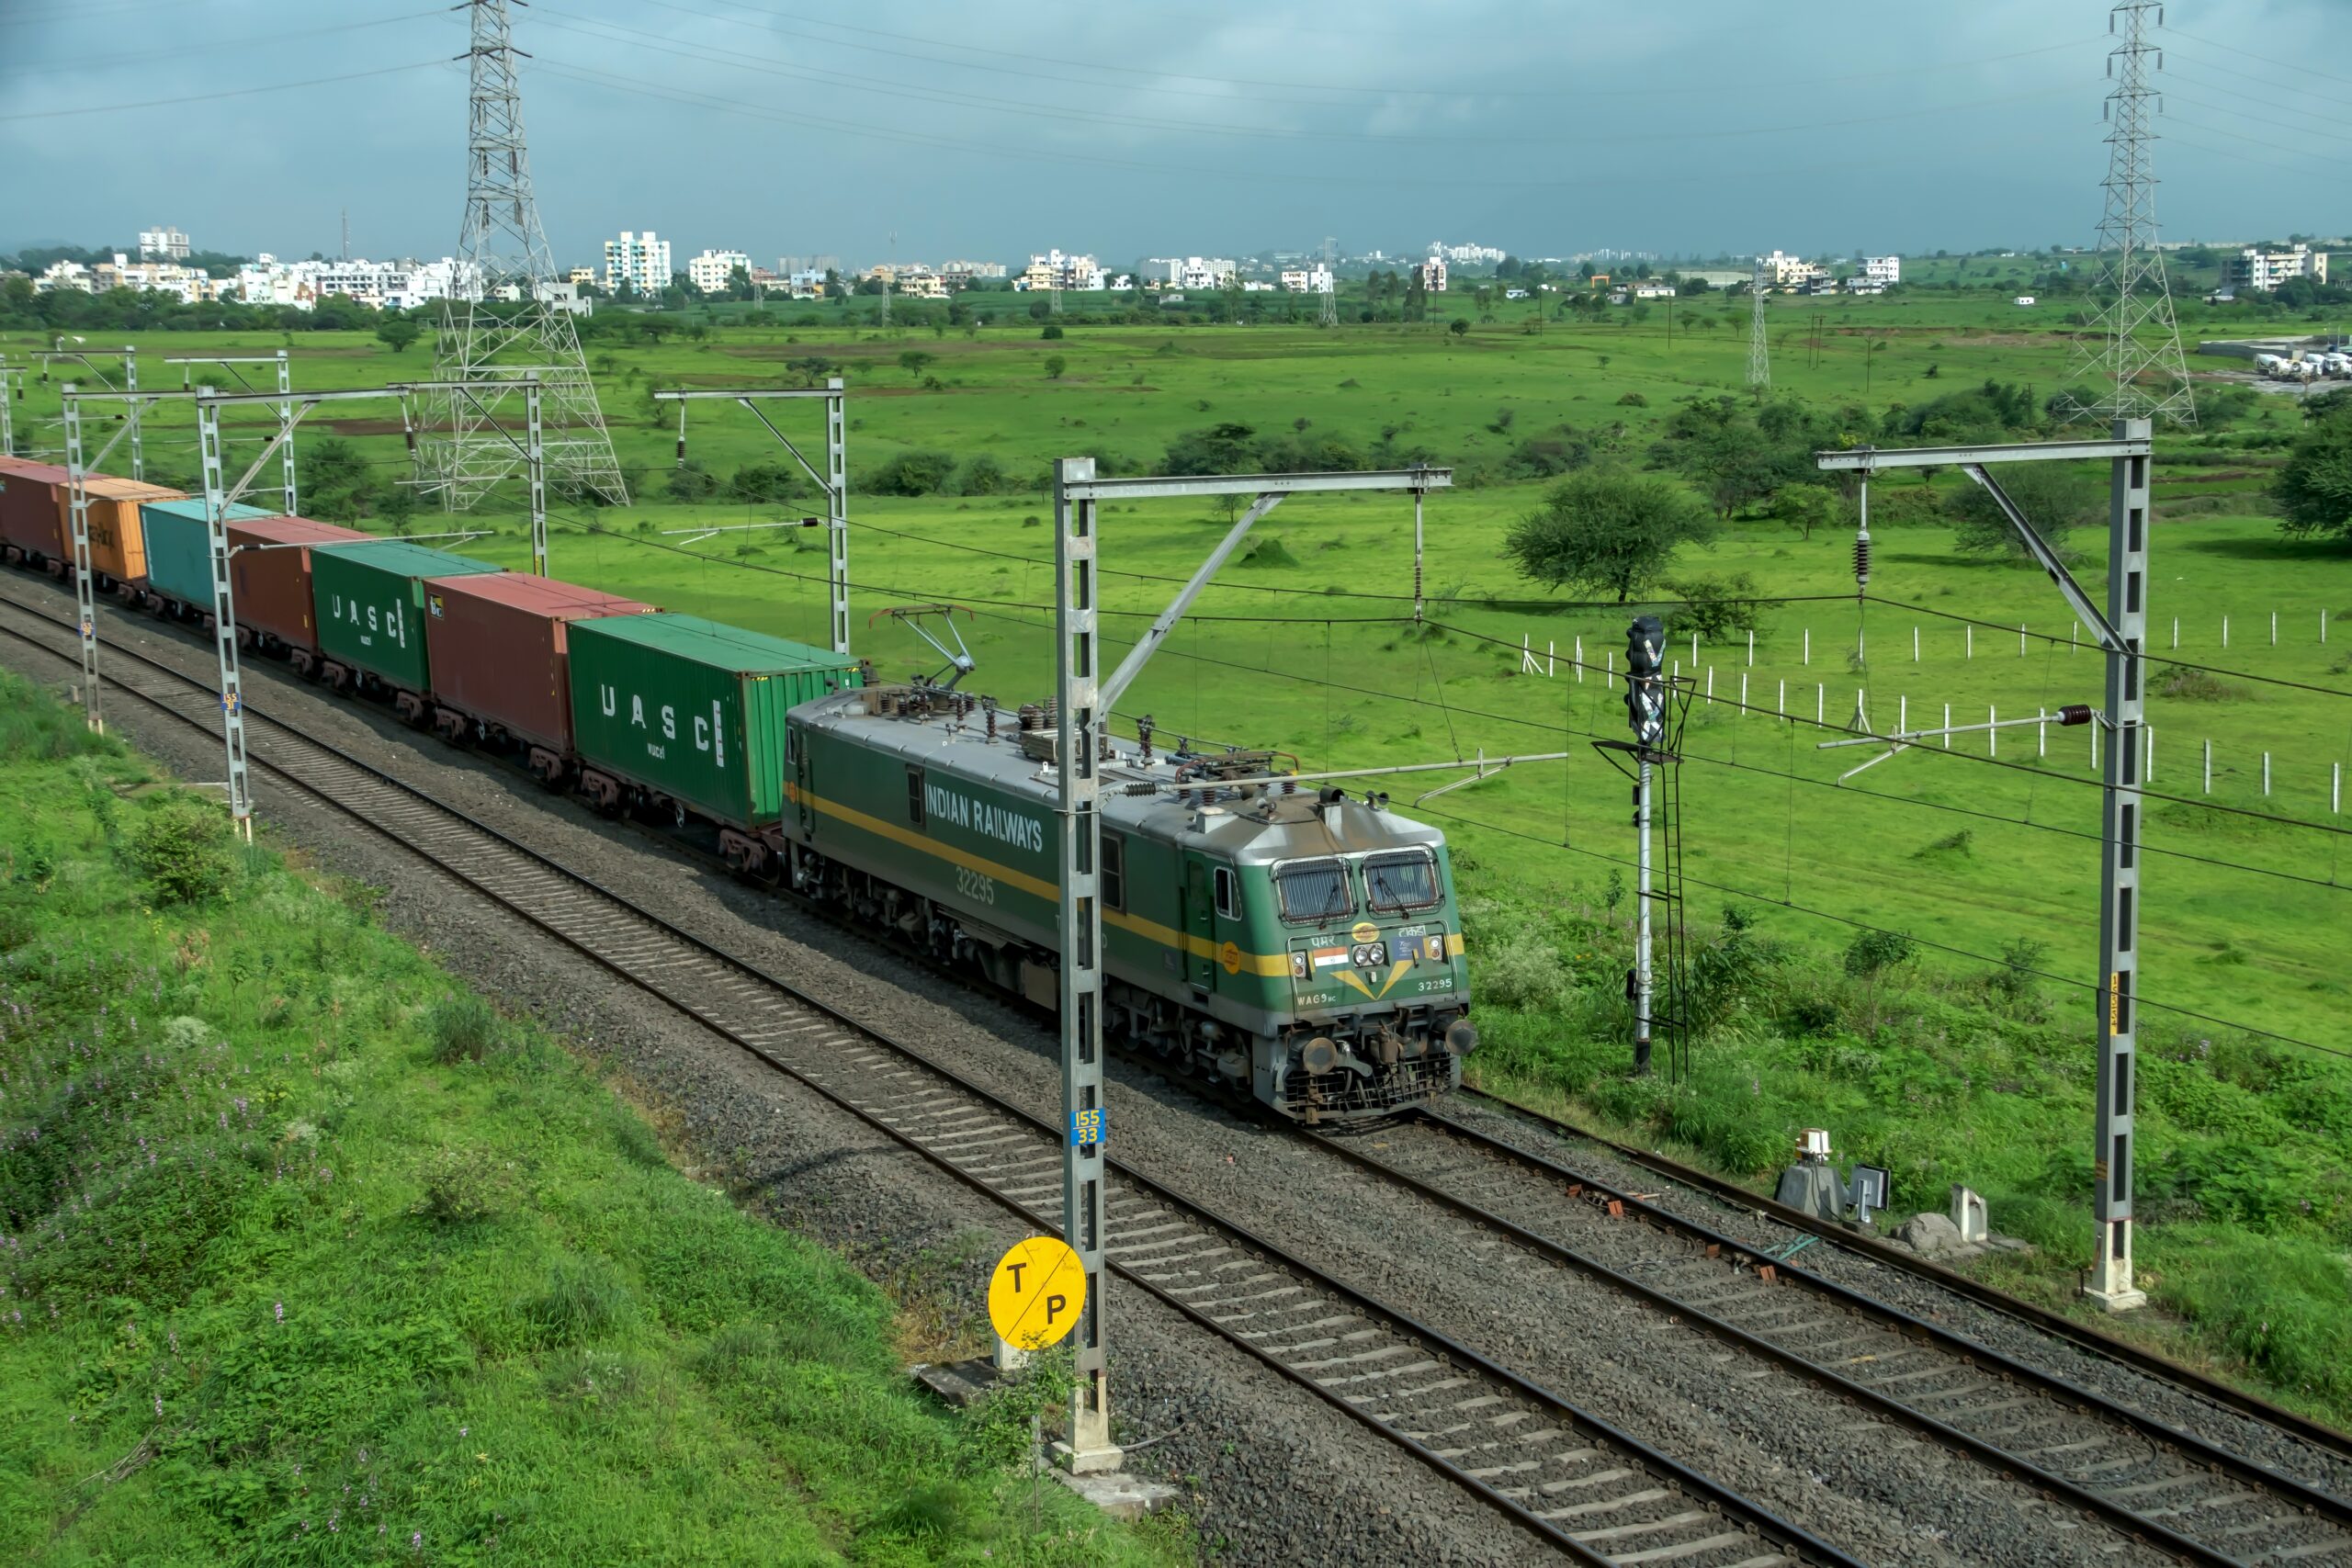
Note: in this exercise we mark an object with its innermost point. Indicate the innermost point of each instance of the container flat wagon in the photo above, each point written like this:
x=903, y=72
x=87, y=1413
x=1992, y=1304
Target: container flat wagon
x=178, y=581
x=499, y=648
x=118, y=538
x=369, y=601
x=31, y=527
x=1302, y=948
x=677, y=718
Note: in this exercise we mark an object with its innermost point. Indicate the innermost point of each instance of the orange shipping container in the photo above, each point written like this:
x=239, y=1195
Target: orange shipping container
x=117, y=540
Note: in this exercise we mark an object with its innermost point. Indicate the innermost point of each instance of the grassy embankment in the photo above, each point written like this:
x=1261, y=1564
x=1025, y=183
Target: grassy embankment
x=1975, y=1073
x=313, y=1257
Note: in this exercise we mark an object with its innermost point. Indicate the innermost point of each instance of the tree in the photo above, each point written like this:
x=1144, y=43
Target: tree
x=2314, y=489
x=1459, y=327
x=1606, y=531
x=2056, y=498
x=914, y=361
x=396, y=332
x=1869, y=955
x=1054, y=366
x=1052, y=330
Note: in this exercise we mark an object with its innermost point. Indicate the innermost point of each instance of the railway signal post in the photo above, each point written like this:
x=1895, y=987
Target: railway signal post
x=2121, y=631
x=224, y=609
x=1646, y=712
x=833, y=482
x=1084, y=700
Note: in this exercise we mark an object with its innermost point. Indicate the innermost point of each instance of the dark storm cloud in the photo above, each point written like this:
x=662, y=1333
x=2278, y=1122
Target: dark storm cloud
x=781, y=126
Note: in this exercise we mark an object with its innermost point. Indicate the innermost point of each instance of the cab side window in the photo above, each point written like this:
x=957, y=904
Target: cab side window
x=1114, y=871
x=914, y=795
x=1229, y=893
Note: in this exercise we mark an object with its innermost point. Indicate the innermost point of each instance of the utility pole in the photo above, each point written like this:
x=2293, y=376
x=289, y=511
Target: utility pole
x=1082, y=703
x=833, y=482
x=2121, y=631
x=225, y=608
x=502, y=324
x=2134, y=340
x=12, y=380
x=1759, y=348
x=285, y=408
x=85, y=603
x=1646, y=712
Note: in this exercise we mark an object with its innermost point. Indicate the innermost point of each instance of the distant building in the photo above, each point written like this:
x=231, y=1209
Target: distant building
x=1788, y=272
x=1432, y=274
x=1054, y=270
x=820, y=265
x=580, y=275
x=1313, y=280
x=642, y=261
x=1884, y=271
x=712, y=271
x=1651, y=288
x=163, y=244
x=2266, y=270
x=1198, y=272
x=960, y=273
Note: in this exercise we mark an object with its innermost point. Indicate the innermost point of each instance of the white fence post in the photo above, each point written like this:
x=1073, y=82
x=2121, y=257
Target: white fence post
x=1742, y=690
x=1970, y=640
x=1781, y=704
x=2335, y=789
x=1711, y=685
x=2208, y=767
x=2266, y=774
x=1915, y=645
x=2020, y=640
x=1751, y=647
x=1609, y=669
x=2041, y=733
x=2148, y=753
x=1903, y=713
x=1947, y=726
x=2225, y=631
x=1579, y=660
x=2176, y=632
x=2274, y=628
x=1808, y=646
x=1992, y=737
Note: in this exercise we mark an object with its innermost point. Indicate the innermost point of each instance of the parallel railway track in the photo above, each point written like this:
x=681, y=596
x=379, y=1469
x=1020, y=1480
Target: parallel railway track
x=1569, y=1479
x=2172, y=1489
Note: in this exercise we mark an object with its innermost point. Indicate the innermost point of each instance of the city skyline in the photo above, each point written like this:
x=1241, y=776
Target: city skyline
x=1594, y=133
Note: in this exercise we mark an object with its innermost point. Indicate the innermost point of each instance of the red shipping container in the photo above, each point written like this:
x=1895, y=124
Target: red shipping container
x=272, y=584
x=498, y=647
x=29, y=508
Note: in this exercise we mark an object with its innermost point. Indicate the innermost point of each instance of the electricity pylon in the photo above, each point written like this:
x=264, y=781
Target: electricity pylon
x=2127, y=361
x=503, y=323
x=1759, y=346
x=1327, y=309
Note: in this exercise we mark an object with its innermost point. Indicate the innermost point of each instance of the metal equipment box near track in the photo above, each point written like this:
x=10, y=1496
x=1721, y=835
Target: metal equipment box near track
x=269, y=570
x=30, y=523
x=179, y=547
x=501, y=651
x=371, y=604
x=117, y=542
x=693, y=710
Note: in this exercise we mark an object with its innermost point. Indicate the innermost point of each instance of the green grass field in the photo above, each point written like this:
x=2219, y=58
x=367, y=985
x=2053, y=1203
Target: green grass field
x=1307, y=645
x=313, y=1257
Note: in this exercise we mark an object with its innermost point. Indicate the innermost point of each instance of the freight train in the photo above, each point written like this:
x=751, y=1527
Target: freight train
x=1295, y=945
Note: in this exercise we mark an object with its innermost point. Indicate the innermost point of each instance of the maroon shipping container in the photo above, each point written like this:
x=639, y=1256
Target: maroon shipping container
x=498, y=646
x=29, y=512
x=269, y=571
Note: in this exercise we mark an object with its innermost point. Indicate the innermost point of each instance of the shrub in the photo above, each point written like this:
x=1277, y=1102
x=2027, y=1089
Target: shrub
x=1547, y=456
x=184, y=850
x=764, y=482
x=461, y=1028
x=914, y=473
x=1523, y=972
x=690, y=482
x=1052, y=332
x=1633, y=401
x=983, y=475
x=2185, y=684
x=1714, y=607
x=460, y=1189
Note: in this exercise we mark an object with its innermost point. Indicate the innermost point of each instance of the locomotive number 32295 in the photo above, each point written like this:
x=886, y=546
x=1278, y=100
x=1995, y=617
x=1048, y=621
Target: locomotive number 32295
x=973, y=886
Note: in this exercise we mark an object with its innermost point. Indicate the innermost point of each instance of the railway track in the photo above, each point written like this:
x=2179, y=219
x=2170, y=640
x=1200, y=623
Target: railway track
x=2172, y=1489
x=1593, y=1492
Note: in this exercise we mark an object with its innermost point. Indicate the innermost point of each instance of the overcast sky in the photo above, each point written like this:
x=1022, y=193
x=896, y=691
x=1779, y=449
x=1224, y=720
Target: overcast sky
x=1125, y=128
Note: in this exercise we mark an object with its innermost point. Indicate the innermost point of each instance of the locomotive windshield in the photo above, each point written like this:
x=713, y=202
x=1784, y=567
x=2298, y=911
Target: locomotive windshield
x=1401, y=881
x=1315, y=890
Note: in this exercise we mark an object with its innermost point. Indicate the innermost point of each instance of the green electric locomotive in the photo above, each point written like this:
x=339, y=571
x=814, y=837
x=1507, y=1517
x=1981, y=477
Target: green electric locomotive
x=1294, y=944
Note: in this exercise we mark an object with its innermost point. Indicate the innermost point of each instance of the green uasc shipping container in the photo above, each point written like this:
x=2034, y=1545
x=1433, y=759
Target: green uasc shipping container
x=370, y=604
x=179, y=564
x=693, y=709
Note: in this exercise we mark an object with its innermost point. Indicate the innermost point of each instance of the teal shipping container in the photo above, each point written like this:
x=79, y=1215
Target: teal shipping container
x=371, y=604
x=179, y=563
x=694, y=710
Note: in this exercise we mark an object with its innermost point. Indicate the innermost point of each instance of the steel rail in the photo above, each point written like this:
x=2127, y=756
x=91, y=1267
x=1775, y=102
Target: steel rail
x=1733, y=1253
x=2081, y=1335
x=1753, y=1520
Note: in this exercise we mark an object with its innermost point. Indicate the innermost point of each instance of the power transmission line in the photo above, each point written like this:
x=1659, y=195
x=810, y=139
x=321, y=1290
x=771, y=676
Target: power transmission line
x=2134, y=340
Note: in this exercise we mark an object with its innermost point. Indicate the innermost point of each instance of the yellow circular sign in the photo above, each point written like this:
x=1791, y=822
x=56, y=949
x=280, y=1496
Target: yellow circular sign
x=1230, y=956
x=1364, y=932
x=1037, y=1293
